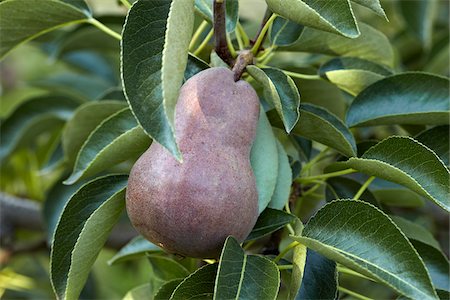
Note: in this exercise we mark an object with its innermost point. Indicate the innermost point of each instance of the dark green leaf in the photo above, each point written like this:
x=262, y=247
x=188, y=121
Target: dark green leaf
x=363, y=238
x=155, y=45
x=408, y=98
x=398, y=197
x=166, y=290
x=284, y=32
x=320, y=125
x=395, y=159
x=29, y=114
x=420, y=16
x=198, y=285
x=436, y=263
x=237, y=273
x=36, y=17
x=264, y=161
x=345, y=188
x=205, y=8
x=83, y=228
x=284, y=180
x=85, y=119
x=415, y=232
x=319, y=279
x=336, y=17
x=280, y=91
x=165, y=268
x=374, y=5
x=54, y=204
x=137, y=247
x=371, y=45
x=438, y=140
x=116, y=139
x=270, y=220
x=194, y=65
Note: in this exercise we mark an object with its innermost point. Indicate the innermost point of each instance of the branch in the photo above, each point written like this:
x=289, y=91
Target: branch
x=244, y=59
x=220, y=34
x=21, y=213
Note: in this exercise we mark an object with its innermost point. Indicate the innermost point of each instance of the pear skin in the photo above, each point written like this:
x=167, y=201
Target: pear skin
x=190, y=208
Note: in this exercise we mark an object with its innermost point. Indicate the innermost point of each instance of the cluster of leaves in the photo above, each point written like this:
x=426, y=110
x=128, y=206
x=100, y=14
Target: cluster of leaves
x=324, y=80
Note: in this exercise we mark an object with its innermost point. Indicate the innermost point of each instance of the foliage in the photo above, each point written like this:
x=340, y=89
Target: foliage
x=351, y=155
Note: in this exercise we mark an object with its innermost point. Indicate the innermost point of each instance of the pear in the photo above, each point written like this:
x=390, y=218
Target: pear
x=190, y=207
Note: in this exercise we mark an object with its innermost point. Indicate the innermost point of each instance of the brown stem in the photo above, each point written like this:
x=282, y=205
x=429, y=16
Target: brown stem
x=220, y=34
x=244, y=59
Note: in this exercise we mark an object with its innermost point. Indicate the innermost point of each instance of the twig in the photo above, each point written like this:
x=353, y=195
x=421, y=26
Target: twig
x=220, y=34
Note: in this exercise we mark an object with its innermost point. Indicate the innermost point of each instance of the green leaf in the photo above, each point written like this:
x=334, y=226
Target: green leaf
x=408, y=98
x=395, y=159
x=36, y=18
x=28, y=115
x=318, y=124
x=198, y=285
x=205, y=8
x=438, y=140
x=154, y=54
x=436, y=263
x=264, y=161
x=352, y=74
x=320, y=279
x=83, y=228
x=237, y=273
x=284, y=180
x=398, y=197
x=374, y=5
x=270, y=220
x=363, y=238
x=85, y=119
x=194, y=66
x=165, y=268
x=336, y=17
x=54, y=204
x=345, y=188
x=420, y=16
x=116, y=139
x=284, y=32
x=371, y=45
x=281, y=91
x=139, y=292
x=415, y=232
x=166, y=290
x=137, y=247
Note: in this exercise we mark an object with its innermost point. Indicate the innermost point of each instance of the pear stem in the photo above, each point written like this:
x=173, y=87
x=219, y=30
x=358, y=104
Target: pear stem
x=244, y=59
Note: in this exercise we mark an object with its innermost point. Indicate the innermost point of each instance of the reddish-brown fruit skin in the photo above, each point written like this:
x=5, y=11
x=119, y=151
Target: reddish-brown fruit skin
x=190, y=208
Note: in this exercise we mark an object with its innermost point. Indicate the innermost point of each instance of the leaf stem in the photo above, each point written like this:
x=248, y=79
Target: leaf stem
x=302, y=76
x=126, y=3
x=262, y=34
x=289, y=226
x=104, y=28
x=243, y=34
x=325, y=176
x=345, y=270
x=197, y=35
x=354, y=294
x=285, y=267
x=363, y=187
x=204, y=42
x=313, y=161
x=239, y=40
x=286, y=250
